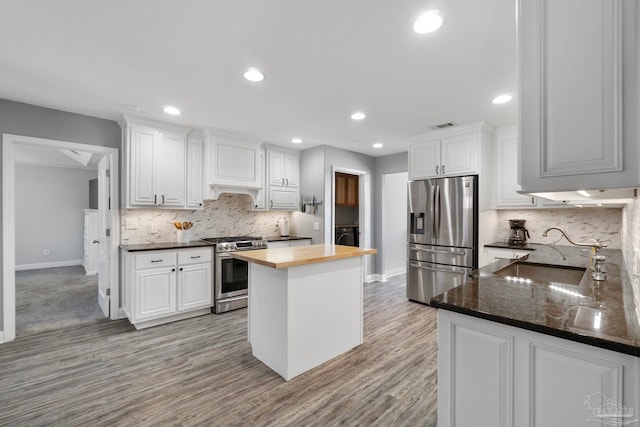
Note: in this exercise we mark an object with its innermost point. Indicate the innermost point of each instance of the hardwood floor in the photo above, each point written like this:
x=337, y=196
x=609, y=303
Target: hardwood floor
x=201, y=372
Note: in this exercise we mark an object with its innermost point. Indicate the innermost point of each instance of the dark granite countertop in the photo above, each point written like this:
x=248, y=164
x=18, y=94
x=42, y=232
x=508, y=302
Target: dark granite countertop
x=601, y=314
x=507, y=245
x=285, y=239
x=164, y=245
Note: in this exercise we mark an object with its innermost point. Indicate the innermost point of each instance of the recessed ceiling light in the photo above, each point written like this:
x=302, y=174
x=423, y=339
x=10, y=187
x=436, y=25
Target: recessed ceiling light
x=377, y=145
x=358, y=115
x=172, y=110
x=501, y=99
x=296, y=140
x=253, y=75
x=428, y=22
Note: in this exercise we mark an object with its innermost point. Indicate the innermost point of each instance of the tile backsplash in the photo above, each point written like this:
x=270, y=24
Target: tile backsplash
x=231, y=215
x=581, y=224
x=631, y=246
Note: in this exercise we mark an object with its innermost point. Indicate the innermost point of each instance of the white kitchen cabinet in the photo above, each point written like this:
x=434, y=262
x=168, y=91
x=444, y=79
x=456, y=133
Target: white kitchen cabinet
x=283, y=172
x=259, y=204
x=155, y=164
x=578, y=75
x=499, y=375
x=456, y=151
x=195, y=170
x=166, y=285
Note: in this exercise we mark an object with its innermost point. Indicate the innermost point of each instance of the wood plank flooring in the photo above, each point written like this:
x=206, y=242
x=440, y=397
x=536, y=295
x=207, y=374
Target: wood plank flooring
x=201, y=372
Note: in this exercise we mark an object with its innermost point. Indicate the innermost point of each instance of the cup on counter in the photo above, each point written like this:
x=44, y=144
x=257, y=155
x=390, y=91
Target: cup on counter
x=183, y=236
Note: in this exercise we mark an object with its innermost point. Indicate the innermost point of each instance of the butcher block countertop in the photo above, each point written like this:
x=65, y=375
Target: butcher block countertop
x=300, y=255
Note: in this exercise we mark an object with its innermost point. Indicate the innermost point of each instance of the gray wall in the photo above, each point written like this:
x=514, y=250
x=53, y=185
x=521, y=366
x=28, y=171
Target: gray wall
x=385, y=164
x=29, y=120
x=311, y=184
x=49, y=213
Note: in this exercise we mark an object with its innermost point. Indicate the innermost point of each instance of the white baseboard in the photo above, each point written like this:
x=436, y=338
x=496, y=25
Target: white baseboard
x=39, y=265
x=395, y=272
x=375, y=278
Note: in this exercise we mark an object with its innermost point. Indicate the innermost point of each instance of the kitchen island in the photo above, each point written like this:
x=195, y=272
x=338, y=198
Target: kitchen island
x=305, y=304
x=537, y=341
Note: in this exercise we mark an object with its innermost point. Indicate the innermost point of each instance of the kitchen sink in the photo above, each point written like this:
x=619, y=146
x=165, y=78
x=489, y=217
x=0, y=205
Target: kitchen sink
x=544, y=273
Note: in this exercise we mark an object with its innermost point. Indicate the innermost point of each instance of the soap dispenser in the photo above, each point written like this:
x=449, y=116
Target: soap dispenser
x=284, y=227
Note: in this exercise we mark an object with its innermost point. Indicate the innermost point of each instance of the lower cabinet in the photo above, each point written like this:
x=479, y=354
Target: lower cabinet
x=166, y=285
x=490, y=374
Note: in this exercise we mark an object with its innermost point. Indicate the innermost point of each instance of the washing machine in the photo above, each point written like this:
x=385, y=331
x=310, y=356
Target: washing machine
x=347, y=235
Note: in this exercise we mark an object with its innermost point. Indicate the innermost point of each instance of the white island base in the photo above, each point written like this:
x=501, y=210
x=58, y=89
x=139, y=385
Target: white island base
x=302, y=316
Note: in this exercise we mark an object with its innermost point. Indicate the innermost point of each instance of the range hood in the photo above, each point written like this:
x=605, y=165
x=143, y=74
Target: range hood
x=216, y=189
x=614, y=197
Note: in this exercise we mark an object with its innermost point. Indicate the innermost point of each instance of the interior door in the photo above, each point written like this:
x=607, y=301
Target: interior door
x=104, y=238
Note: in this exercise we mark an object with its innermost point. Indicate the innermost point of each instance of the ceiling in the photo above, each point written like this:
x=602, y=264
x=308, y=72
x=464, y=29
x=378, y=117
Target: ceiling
x=322, y=60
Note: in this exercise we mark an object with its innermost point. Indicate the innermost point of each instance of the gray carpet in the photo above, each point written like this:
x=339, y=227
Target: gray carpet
x=54, y=298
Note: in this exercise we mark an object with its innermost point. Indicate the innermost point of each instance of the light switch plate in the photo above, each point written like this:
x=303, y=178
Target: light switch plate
x=316, y=225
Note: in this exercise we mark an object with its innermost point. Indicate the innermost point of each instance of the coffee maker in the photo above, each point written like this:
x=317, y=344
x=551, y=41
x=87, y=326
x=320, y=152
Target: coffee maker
x=518, y=233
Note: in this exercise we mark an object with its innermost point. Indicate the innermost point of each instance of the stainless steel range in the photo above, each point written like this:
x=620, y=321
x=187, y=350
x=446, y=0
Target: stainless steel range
x=231, y=276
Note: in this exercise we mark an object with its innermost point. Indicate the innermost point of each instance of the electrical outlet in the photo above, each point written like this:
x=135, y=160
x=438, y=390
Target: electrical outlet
x=46, y=252
x=316, y=225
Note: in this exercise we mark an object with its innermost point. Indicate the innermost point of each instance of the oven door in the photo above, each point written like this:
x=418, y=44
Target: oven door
x=231, y=276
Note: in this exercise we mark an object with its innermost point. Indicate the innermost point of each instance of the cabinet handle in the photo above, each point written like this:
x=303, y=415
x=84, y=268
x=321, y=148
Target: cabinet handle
x=443, y=172
x=272, y=203
x=437, y=169
x=173, y=269
x=157, y=260
x=155, y=199
x=199, y=204
x=282, y=181
x=195, y=257
x=181, y=269
x=163, y=199
x=287, y=182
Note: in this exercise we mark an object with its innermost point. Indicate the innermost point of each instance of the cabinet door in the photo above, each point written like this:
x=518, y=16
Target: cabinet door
x=155, y=293
x=194, y=172
x=195, y=286
x=143, y=143
x=235, y=162
x=170, y=171
x=276, y=168
x=291, y=170
x=301, y=242
x=283, y=198
x=259, y=203
x=571, y=92
x=352, y=190
x=459, y=155
x=424, y=160
x=507, y=186
x=273, y=245
x=341, y=189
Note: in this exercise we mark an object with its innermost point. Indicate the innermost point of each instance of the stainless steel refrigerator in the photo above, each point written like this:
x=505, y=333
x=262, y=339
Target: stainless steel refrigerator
x=442, y=235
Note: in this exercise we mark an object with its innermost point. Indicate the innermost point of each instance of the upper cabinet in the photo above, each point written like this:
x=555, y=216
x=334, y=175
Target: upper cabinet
x=347, y=190
x=195, y=150
x=455, y=151
x=283, y=172
x=506, y=170
x=578, y=73
x=232, y=165
x=259, y=202
x=156, y=165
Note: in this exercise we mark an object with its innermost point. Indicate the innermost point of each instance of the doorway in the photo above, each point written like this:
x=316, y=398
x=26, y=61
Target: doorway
x=109, y=237
x=394, y=223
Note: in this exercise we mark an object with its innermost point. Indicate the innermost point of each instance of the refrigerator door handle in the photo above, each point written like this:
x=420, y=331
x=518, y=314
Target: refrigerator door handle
x=416, y=248
x=437, y=269
x=436, y=225
x=432, y=209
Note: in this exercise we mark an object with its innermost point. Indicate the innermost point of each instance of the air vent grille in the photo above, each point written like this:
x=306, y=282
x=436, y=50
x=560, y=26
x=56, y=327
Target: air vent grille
x=442, y=125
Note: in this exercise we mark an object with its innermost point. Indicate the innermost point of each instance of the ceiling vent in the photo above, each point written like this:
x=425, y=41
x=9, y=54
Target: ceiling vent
x=442, y=125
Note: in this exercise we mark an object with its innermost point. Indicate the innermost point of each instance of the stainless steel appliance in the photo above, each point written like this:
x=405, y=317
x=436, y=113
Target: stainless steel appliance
x=442, y=235
x=230, y=275
x=347, y=235
x=518, y=233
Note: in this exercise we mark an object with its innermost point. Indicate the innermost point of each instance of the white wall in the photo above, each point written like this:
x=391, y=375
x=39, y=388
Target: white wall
x=49, y=204
x=394, y=223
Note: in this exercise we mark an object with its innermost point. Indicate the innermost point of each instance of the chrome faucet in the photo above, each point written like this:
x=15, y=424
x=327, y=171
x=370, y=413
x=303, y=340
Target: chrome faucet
x=598, y=259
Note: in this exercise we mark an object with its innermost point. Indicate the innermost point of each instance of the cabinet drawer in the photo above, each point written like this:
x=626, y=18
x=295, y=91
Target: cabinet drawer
x=156, y=259
x=195, y=256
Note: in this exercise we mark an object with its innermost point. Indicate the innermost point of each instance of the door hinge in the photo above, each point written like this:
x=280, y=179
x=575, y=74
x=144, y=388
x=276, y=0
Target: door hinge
x=108, y=173
x=108, y=292
x=107, y=232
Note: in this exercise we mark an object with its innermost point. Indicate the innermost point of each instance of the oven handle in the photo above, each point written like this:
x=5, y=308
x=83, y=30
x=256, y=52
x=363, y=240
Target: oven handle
x=223, y=255
x=437, y=269
x=415, y=248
